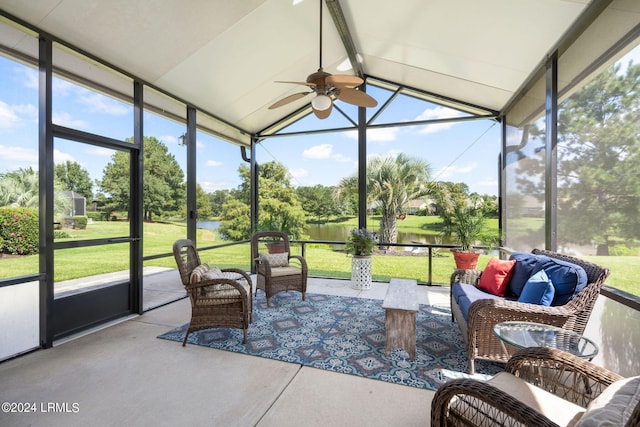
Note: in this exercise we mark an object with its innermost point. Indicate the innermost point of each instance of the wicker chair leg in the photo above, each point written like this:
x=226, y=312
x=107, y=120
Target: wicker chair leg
x=186, y=335
x=304, y=296
x=472, y=367
x=268, y=301
x=244, y=340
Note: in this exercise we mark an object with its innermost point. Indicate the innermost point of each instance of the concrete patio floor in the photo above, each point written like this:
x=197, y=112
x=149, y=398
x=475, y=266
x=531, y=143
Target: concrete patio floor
x=123, y=375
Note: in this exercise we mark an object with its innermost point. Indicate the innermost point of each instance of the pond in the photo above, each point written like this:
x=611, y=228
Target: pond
x=340, y=232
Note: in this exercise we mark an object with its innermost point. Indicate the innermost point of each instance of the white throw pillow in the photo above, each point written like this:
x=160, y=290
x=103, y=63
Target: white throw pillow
x=614, y=405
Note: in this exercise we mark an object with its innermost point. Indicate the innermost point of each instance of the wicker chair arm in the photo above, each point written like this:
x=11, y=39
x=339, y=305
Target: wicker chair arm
x=219, y=281
x=263, y=266
x=240, y=272
x=564, y=374
x=470, y=277
x=489, y=406
x=303, y=262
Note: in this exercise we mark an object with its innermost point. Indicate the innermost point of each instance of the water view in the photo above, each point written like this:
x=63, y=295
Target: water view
x=338, y=232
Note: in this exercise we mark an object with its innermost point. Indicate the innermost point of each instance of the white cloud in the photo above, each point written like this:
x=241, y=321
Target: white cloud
x=451, y=171
x=298, y=173
x=19, y=154
x=102, y=104
x=100, y=151
x=62, y=87
x=13, y=116
x=322, y=151
x=65, y=119
x=341, y=158
x=210, y=186
x=61, y=157
x=169, y=139
x=29, y=77
x=489, y=182
x=213, y=163
x=8, y=118
x=435, y=114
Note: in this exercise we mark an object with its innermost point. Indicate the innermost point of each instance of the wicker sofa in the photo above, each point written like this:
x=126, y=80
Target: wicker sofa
x=541, y=387
x=476, y=324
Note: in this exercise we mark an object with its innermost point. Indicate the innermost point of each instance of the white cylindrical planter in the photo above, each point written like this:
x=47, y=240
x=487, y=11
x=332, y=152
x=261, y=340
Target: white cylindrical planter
x=361, y=272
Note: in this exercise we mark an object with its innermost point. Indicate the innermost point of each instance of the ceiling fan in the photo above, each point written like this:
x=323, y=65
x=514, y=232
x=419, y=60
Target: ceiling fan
x=328, y=87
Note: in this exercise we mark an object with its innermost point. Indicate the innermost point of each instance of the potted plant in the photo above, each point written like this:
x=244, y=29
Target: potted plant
x=468, y=226
x=360, y=244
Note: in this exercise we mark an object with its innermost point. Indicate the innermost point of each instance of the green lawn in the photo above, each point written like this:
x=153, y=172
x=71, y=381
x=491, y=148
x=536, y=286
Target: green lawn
x=323, y=260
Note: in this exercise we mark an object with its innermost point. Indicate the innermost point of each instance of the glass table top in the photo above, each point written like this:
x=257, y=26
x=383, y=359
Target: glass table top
x=528, y=334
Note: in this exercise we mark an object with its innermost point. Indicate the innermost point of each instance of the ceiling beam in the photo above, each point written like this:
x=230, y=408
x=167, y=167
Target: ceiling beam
x=345, y=35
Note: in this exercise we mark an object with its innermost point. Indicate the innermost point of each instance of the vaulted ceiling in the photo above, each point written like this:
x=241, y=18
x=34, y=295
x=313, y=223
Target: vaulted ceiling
x=224, y=57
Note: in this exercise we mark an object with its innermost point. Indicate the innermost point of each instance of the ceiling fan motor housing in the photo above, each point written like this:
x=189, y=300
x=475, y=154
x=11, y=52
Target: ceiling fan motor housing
x=319, y=81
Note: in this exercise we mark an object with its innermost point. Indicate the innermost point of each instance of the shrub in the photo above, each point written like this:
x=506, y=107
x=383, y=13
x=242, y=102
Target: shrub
x=80, y=222
x=18, y=231
x=59, y=234
x=98, y=216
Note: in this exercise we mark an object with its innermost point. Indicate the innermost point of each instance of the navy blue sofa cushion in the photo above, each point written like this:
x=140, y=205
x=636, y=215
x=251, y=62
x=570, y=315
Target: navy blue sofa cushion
x=527, y=265
x=568, y=279
x=464, y=295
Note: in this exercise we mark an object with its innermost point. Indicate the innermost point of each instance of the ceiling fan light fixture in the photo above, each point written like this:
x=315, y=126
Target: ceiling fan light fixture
x=321, y=102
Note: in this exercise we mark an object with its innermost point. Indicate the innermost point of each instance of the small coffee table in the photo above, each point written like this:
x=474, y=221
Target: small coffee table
x=529, y=334
x=400, y=308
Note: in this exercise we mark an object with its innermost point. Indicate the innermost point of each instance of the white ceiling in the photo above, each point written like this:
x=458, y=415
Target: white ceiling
x=223, y=56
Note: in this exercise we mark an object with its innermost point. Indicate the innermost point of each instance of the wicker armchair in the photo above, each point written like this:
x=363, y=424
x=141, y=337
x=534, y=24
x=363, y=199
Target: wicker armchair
x=272, y=277
x=484, y=314
x=541, y=387
x=221, y=300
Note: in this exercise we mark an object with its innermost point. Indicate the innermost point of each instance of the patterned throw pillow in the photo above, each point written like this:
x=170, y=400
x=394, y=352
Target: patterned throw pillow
x=276, y=260
x=198, y=273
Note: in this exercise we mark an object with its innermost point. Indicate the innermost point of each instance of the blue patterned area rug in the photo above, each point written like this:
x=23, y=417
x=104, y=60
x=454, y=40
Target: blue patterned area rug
x=346, y=335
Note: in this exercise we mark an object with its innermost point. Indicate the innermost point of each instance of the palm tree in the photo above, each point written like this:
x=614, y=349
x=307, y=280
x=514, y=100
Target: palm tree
x=20, y=188
x=392, y=182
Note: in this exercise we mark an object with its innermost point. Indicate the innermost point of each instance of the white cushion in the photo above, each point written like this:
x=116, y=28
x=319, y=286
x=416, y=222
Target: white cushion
x=285, y=271
x=614, y=405
x=558, y=410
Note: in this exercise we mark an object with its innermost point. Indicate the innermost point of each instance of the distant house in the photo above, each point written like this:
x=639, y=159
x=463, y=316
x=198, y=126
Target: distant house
x=415, y=205
x=78, y=204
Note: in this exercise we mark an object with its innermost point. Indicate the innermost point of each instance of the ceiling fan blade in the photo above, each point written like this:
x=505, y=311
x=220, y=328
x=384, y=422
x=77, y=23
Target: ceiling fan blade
x=297, y=83
x=341, y=80
x=288, y=99
x=323, y=114
x=356, y=97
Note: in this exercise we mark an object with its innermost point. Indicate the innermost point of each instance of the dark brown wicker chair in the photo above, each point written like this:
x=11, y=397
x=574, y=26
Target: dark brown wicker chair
x=274, y=278
x=484, y=314
x=575, y=381
x=221, y=302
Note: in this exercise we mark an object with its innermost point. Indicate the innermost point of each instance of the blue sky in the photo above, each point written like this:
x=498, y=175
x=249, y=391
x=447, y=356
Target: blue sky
x=460, y=152
x=464, y=152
